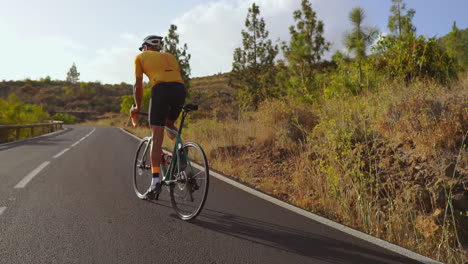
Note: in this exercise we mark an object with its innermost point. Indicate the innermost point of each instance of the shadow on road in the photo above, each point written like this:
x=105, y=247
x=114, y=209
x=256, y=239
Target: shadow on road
x=292, y=240
x=38, y=141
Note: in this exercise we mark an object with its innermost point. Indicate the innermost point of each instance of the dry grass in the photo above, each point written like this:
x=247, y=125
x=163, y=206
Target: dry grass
x=389, y=163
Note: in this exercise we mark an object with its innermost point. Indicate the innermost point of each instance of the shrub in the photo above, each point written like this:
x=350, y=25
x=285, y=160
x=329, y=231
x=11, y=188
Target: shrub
x=128, y=101
x=66, y=118
x=14, y=111
x=414, y=57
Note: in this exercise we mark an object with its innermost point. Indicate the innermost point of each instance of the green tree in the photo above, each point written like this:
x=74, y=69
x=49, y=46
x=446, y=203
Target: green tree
x=46, y=80
x=67, y=91
x=65, y=118
x=305, y=51
x=86, y=88
x=456, y=44
x=414, y=57
x=399, y=23
x=15, y=111
x=253, y=72
x=128, y=101
x=360, y=38
x=171, y=45
x=73, y=75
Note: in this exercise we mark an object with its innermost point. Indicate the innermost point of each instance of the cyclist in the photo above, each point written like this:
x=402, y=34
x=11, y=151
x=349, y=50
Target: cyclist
x=167, y=97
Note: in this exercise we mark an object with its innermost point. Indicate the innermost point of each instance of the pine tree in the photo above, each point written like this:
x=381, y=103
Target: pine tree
x=73, y=75
x=305, y=51
x=360, y=38
x=457, y=46
x=171, y=45
x=253, y=71
x=401, y=24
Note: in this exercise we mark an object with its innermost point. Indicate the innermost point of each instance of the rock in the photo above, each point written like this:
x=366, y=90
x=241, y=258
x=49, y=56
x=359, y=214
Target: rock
x=438, y=192
x=421, y=198
x=422, y=158
x=450, y=170
x=460, y=201
x=389, y=152
x=462, y=226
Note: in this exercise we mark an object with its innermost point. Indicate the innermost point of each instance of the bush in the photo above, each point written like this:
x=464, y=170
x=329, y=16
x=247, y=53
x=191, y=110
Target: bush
x=86, y=88
x=345, y=81
x=66, y=118
x=414, y=57
x=128, y=101
x=46, y=80
x=14, y=111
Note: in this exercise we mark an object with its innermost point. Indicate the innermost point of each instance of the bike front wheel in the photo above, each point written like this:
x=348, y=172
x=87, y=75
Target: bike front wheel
x=142, y=169
x=190, y=188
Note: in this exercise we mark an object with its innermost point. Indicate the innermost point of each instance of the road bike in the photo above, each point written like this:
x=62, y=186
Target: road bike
x=184, y=173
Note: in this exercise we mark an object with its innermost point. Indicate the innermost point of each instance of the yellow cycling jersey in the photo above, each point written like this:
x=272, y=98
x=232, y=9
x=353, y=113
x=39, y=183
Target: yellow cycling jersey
x=158, y=66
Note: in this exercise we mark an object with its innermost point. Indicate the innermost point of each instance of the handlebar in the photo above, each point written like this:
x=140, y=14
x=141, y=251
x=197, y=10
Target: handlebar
x=186, y=108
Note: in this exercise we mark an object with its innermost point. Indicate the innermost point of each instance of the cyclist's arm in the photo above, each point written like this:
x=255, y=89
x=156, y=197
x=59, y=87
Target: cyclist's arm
x=138, y=92
x=138, y=87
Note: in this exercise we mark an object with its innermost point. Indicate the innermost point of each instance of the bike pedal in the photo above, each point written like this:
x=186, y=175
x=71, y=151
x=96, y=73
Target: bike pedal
x=149, y=196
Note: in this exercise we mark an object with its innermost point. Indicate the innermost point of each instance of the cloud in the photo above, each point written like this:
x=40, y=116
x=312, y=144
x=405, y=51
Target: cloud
x=213, y=30
x=36, y=56
x=114, y=63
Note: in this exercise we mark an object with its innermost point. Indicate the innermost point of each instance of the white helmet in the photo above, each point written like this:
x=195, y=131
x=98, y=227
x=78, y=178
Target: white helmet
x=153, y=41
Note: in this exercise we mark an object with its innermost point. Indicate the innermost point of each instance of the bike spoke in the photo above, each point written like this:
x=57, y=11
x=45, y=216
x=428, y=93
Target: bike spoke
x=189, y=194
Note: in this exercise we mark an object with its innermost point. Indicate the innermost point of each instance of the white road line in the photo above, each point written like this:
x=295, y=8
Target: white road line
x=130, y=134
x=31, y=175
x=61, y=153
x=356, y=233
x=83, y=138
x=2, y=209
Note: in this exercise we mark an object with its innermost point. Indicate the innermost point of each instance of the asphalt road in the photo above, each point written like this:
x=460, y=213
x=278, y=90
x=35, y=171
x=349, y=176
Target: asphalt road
x=80, y=208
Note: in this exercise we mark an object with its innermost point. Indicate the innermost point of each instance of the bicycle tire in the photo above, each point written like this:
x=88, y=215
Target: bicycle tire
x=192, y=180
x=142, y=169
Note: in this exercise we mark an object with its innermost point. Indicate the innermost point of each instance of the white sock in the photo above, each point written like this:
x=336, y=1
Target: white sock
x=154, y=181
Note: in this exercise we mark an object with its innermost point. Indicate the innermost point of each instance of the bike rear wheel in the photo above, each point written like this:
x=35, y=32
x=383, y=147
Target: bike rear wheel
x=189, y=192
x=142, y=169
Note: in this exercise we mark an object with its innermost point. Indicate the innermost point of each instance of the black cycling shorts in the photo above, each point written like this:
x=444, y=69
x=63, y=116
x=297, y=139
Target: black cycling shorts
x=167, y=100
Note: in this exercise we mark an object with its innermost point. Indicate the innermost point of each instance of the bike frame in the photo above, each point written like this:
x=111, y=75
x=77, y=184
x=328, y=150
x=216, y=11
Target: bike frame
x=178, y=144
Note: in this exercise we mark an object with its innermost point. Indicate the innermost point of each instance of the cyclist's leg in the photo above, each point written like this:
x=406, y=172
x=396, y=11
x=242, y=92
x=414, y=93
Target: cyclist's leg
x=156, y=149
x=176, y=103
x=170, y=124
x=158, y=113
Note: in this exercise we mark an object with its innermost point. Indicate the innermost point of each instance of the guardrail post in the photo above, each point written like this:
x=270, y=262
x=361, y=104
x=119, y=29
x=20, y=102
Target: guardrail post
x=9, y=131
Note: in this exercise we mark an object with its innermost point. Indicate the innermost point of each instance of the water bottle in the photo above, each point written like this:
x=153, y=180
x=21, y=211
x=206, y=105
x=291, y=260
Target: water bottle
x=168, y=158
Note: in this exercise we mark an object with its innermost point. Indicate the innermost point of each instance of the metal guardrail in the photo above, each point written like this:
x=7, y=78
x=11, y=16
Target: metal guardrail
x=6, y=133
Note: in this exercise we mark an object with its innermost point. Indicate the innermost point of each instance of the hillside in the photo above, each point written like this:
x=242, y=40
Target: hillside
x=59, y=96
x=213, y=94
x=389, y=162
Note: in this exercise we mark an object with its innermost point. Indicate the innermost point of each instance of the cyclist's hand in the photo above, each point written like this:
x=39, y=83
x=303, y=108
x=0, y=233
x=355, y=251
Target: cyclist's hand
x=133, y=113
x=134, y=110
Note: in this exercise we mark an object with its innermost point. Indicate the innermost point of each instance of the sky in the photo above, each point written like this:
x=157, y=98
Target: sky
x=44, y=38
